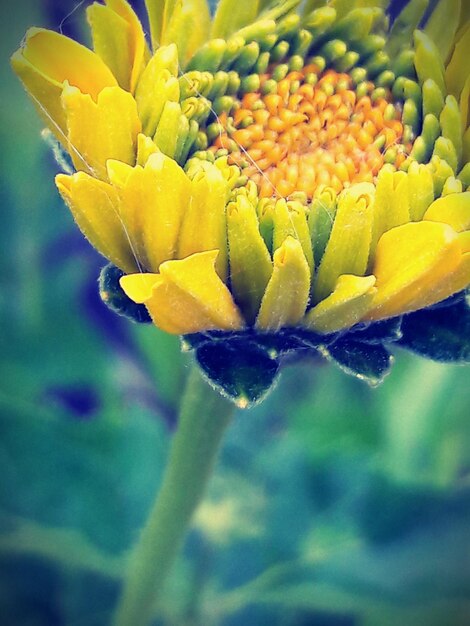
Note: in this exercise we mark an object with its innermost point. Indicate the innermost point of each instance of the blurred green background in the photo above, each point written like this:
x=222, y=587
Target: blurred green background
x=333, y=504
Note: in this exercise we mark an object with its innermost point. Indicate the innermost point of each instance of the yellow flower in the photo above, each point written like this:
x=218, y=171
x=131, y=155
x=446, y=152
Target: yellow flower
x=280, y=165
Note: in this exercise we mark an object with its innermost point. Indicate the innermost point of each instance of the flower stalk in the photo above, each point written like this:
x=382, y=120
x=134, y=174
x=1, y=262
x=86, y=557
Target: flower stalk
x=204, y=417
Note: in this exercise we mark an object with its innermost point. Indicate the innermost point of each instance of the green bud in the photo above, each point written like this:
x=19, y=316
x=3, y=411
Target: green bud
x=250, y=84
x=219, y=85
x=369, y=45
x=354, y=26
x=267, y=43
x=398, y=89
x=288, y=26
x=296, y=63
x=347, y=62
x=201, y=143
x=428, y=62
x=258, y=30
x=445, y=150
x=280, y=71
x=234, y=83
x=234, y=48
x=320, y=20
x=265, y=212
x=318, y=61
x=411, y=115
x=385, y=79
x=389, y=112
x=420, y=190
x=431, y=131
x=195, y=84
x=214, y=130
x=262, y=63
x=362, y=89
x=433, y=100
x=182, y=136
x=378, y=93
x=270, y=86
x=358, y=75
x=209, y=57
x=441, y=171
x=452, y=185
x=281, y=9
x=377, y=63
x=409, y=134
x=333, y=50
x=464, y=175
x=250, y=261
x=280, y=51
x=247, y=58
x=404, y=63
x=320, y=221
x=223, y=104
x=189, y=142
x=413, y=91
x=451, y=124
x=302, y=42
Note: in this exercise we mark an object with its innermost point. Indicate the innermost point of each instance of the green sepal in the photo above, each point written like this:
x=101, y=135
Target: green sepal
x=368, y=362
x=439, y=333
x=239, y=369
x=280, y=343
x=385, y=331
x=114, y=297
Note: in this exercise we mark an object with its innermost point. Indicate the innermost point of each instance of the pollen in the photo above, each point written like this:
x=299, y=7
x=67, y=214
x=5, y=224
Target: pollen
x=309, y=131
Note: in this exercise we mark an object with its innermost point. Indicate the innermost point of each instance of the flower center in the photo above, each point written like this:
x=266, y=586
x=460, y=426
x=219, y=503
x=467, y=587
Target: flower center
x=304, y=131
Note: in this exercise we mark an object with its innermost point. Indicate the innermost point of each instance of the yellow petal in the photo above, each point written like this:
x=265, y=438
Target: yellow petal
x=145, y=148
x=420, y=190
x=457, y=70
x=204, y=224
x=153, y=200
x=139, y=287
x=166, y=135
x=446, y=12
x=345, y=307
x=159, y=12
x=250, y=262
x=231, y=15
x=286, y=296
x=392, y=203
x=465, y=104
x=347, y=250
x=157, y=85
x=290, y=219
x=456, y=280
x=46, y=61
x=95, y=207
x=102, y=130
x=119, y=40
x=188, y=27
x=187, y=296
x=453, y=209
x=410, y=261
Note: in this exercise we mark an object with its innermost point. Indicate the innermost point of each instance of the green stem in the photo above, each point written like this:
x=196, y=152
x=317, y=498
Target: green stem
x=204, y=417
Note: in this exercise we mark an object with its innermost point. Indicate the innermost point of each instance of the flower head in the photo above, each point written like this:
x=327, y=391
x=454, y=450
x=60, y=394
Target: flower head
x=285, y=175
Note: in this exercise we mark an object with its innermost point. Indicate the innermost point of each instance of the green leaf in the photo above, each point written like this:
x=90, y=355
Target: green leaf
x=367, y=362
x=441, y=334
x=239, y=369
